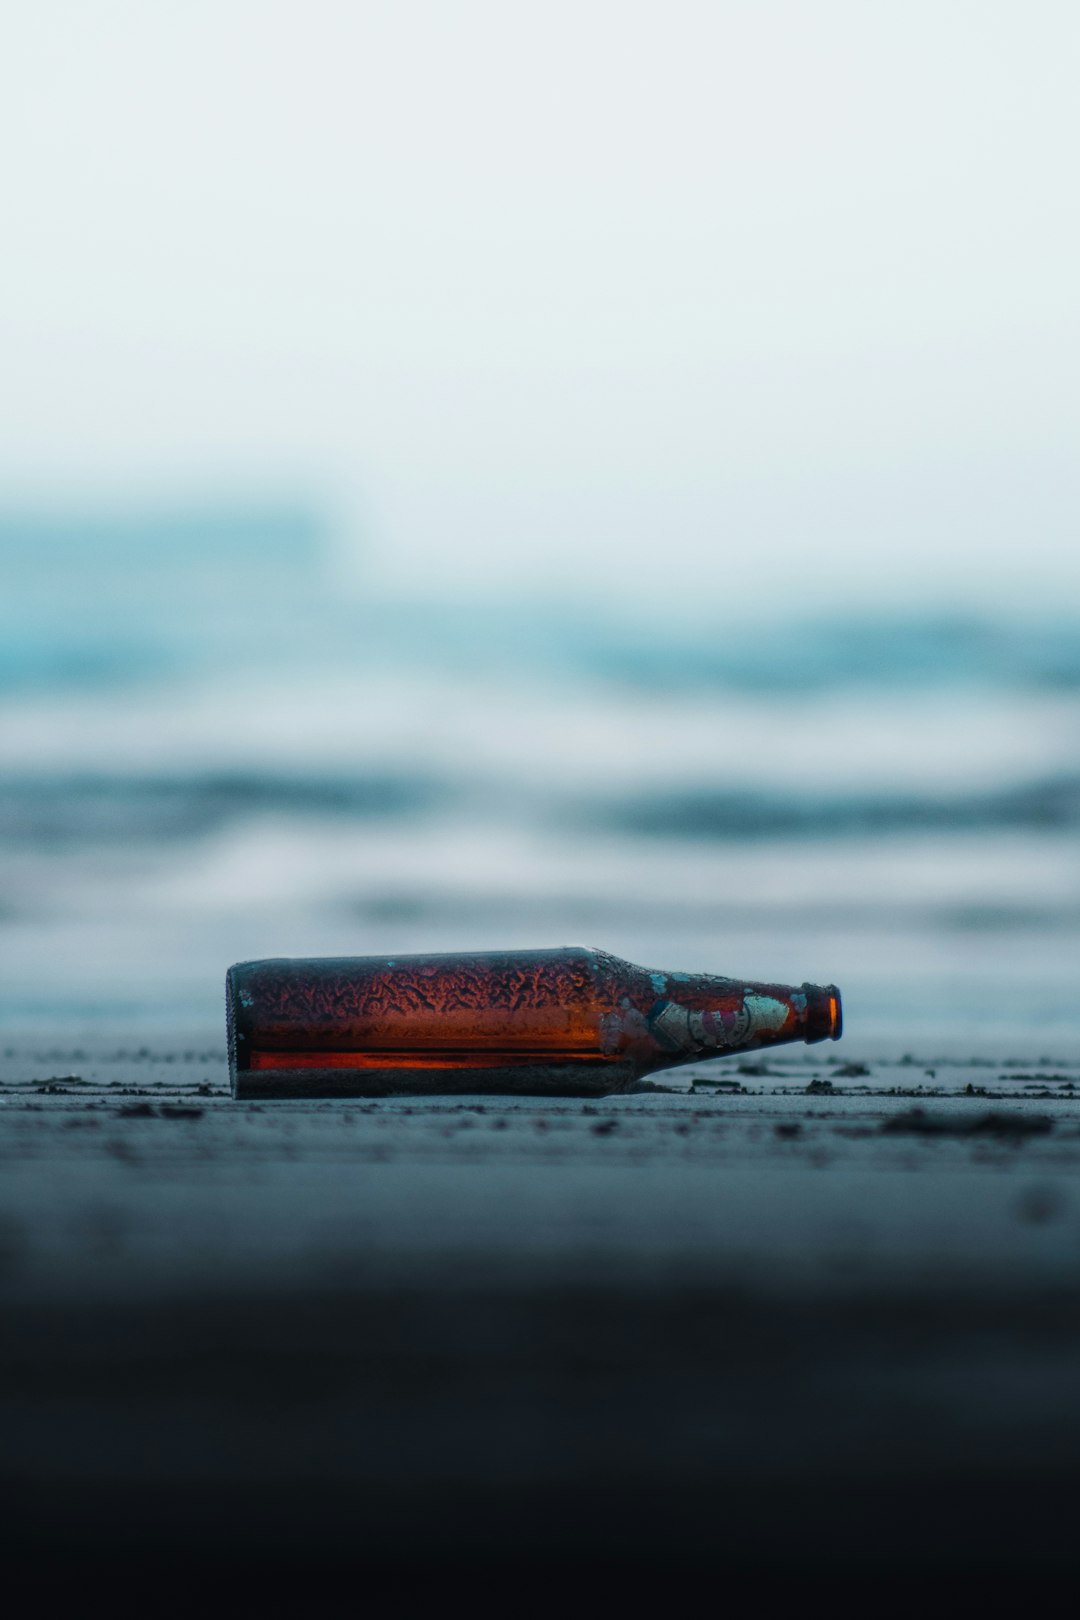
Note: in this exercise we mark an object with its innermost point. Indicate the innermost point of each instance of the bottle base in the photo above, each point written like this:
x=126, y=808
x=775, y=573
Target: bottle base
x=523, y=1080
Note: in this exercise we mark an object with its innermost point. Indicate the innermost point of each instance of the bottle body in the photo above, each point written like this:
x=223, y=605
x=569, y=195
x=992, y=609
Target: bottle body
x=572, y=1021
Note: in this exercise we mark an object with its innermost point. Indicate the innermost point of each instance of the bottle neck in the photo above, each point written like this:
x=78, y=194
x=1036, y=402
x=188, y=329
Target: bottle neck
x=698, y=1016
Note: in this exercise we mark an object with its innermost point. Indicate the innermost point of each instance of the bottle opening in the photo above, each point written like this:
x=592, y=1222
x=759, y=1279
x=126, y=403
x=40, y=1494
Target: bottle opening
x=824, y=1015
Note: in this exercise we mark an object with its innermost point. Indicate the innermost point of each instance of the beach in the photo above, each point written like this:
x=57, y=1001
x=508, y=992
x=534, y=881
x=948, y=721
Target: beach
x=803, y=1313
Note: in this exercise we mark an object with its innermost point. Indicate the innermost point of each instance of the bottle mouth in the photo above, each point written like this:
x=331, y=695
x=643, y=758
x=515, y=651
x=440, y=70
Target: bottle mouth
x=825, y=1020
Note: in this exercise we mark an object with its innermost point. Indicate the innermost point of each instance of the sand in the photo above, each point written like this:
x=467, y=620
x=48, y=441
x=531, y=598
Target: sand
x=822, y=1319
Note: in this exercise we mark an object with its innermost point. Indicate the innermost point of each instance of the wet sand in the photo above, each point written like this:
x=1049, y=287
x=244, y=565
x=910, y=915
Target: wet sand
x=823, y=1318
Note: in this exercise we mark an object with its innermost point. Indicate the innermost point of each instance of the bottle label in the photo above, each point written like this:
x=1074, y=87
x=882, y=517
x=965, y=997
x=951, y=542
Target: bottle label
x=683, y=1029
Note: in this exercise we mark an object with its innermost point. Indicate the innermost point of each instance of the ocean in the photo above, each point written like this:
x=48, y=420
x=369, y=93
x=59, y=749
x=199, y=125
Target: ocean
x=215, y=744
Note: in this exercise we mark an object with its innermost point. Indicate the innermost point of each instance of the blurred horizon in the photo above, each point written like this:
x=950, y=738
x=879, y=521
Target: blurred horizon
x=182, y=580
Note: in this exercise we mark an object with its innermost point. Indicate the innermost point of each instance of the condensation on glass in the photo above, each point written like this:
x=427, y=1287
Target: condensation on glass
x=567, y=1022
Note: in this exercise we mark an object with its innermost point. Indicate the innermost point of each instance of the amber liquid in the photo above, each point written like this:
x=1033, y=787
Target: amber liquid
x=571, y=1022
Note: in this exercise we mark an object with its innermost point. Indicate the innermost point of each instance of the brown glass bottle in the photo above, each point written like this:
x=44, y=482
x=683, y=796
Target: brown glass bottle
x=567, y=1022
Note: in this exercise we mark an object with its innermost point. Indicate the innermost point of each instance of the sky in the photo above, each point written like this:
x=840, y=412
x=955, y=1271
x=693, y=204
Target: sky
x=673, y=305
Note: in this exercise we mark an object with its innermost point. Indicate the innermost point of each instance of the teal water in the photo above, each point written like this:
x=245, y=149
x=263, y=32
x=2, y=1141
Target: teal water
x=213, y=746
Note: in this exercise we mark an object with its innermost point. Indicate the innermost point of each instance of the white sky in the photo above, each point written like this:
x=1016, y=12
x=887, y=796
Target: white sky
x=744, y=301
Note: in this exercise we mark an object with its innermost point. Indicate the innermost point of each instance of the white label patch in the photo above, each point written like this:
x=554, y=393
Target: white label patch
x=766, y=1013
